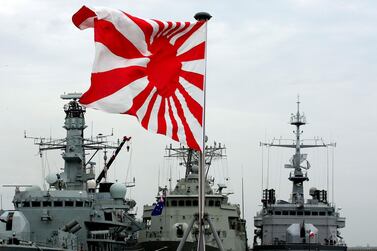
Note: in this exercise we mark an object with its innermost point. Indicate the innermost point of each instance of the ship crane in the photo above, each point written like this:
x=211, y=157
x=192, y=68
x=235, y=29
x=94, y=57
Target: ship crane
x=108, y=164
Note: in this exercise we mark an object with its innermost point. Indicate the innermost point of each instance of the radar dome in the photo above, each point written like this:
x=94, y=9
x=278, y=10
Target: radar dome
x=118, y=190
x=312, y=190
x=51, y=178
x=195, y=168
x=91, y=184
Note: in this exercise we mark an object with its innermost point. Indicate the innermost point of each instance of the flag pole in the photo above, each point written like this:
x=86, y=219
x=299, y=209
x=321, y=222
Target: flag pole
x=202, y=16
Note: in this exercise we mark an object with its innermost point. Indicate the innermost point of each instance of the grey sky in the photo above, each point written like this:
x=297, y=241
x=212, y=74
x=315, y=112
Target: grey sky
x=261, y=54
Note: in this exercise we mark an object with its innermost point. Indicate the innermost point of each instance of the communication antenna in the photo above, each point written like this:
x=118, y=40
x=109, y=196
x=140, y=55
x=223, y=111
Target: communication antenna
x=243, y=197
x=262, y=167
x=327, y=169
x=268, y=168
x=333, y=178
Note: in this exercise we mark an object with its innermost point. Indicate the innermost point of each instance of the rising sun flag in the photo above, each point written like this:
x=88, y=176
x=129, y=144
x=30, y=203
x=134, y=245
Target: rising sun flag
x=150, y=69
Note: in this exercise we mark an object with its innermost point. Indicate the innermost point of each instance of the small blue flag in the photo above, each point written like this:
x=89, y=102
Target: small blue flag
x=157, y=210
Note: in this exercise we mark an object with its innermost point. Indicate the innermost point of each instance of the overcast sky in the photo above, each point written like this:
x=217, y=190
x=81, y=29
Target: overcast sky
x=261, y=54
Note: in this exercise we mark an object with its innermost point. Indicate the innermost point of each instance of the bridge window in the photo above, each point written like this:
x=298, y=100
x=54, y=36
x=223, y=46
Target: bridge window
x=58, y=203
x=285, y=212
x=188, y=203
x=307, y=213
x=292, y=212
x=173, y=203
x=79, y=203
x=211, y=203
x=181, y=203
x=68, y=203
x=26, y=204
x=36, y=204
x=277, y=212
x=322, y=213
x=46, y=203
x=217, y=203
x=315, y=213
x=300, y=213
x=195, y=203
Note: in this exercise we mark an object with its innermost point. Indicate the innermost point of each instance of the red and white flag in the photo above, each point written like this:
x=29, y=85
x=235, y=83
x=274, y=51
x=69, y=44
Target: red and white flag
x=311, y=234
x=150, y=69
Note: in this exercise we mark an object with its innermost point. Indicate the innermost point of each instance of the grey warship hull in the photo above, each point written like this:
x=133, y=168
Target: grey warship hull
x=10, y=247
x=172, y=246
x=299, y=247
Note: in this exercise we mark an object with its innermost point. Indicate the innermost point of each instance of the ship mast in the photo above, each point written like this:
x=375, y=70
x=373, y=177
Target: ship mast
x=74, y=154
x=190, y=158
x=298, y=176
x=74, y=145
x=298, y=161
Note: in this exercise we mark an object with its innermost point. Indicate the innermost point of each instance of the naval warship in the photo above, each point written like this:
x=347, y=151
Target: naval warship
x=78, y=211
x=170, y=219
x=298, y=224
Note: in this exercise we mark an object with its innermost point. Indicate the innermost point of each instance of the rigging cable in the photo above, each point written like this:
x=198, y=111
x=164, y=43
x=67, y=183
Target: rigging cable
x=268, y=167
x=332, y=176
x=317, y=162
x=47, y=163
x=327, y=169
x=280, y=170
x=43, y=172
x=262, y=167
x=223, y=170
x=128, y=172
x=226, y=165
x=129, y=168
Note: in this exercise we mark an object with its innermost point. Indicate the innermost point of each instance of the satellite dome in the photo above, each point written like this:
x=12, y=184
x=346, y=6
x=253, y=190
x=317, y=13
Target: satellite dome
x=51, y=178
x=91, y=184
x=118, y=190
x=195, y=168
x=312, y=190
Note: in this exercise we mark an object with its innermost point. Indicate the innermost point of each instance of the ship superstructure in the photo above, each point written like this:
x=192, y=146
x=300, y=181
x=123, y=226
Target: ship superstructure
x=77, y=211
x=298, y=224
x=165, y=231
